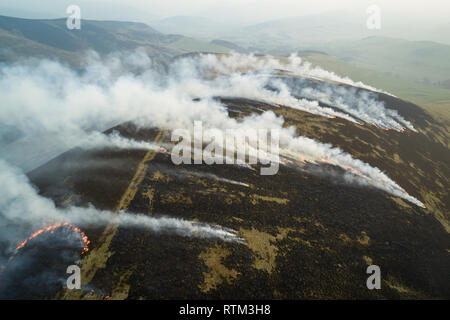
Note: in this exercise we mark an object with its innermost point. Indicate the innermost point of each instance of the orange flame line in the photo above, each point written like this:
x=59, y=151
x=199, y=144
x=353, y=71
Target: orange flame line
x=51, y=228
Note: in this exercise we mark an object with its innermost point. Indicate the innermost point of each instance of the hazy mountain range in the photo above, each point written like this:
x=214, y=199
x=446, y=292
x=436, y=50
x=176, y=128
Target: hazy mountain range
x=50, y=38
x=301, y=30
x=397, y=56
x=421, y=61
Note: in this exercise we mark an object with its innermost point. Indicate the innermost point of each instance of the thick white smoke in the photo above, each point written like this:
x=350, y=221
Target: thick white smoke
x=360, y=104
x=291, y=66
x=53, y=108
x=251, y=77
x=236, y=62
x=20, y=203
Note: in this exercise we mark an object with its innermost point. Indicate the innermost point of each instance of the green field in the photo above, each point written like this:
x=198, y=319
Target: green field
x=434, y=99
x=193, y=45
x=422, y=61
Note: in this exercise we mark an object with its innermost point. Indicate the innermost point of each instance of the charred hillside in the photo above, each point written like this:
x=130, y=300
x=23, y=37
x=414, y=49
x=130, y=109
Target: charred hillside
x=308, y=232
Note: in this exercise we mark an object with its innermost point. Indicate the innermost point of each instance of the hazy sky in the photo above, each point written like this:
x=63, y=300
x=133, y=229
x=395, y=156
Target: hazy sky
x=272, y=9
x=414, y=11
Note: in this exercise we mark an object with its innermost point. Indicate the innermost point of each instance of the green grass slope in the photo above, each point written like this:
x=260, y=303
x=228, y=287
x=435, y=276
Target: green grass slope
x=52, y=39
x=422, y=94
x=423, y=61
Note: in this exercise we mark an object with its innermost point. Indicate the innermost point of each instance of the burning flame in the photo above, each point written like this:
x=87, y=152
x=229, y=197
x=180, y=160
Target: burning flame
x=328, y=161
x=402, y=130
x=353, y=170
x=84, y=239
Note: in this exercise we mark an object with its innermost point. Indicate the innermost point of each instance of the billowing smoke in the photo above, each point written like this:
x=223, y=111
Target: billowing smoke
x=359, y=104
x=293, y=65
x=253, y=77
x=23, y=212
x=20, y=203
x=76, y=110
x=48, y=108
x=54, y=108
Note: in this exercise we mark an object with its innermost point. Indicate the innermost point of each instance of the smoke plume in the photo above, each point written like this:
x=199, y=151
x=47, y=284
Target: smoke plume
x=47, y=108
x=75, y=111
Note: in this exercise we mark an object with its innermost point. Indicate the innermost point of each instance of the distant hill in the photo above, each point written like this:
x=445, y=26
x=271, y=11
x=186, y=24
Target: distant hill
x=230, y=45
x=434, y=99
x=29, y=14
x=194, y=45
x=400, y=86
x=52, y=39
x=424, y=61
x=192, y=26
x=90, y=9
x=316, y=30
x=299, y=31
